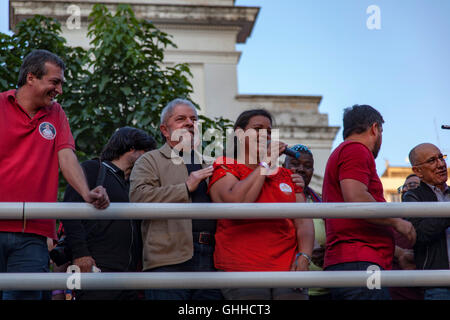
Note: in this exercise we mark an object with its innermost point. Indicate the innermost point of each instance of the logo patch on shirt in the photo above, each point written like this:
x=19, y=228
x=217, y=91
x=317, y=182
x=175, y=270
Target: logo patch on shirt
x=285, y=187
x=47, y=130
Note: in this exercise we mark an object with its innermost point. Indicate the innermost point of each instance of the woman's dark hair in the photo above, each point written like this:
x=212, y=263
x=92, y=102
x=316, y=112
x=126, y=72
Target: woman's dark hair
x=125, y=139
x=244, y=118
x=359, y=118
x=34, y=63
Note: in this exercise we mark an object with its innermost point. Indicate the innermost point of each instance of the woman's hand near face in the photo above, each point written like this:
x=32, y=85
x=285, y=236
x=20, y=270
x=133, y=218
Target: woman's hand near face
x=298, y=180
x=277, y=146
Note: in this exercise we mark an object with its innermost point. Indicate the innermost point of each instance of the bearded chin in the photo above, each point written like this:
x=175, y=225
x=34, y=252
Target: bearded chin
x=375, y=151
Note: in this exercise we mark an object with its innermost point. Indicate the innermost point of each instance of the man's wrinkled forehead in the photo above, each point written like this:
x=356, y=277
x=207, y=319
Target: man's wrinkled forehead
x=427, y=151
x=54, y=72
x=182, y=110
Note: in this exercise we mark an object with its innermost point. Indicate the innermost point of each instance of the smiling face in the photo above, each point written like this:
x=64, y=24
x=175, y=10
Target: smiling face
x=258, y=124
x=45, y=90
x=256, y=132
x=429, y=165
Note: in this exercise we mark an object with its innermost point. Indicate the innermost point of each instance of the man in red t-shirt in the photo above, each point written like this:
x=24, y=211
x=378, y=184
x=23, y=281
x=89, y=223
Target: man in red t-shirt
x=35, y=140
x=351, y=176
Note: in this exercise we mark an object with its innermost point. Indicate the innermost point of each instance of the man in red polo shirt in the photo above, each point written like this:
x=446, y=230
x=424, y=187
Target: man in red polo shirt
x=351, y=176
x=35, y=140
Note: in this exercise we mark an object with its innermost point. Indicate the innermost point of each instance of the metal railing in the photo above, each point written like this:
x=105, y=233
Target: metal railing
x=177, y=280
x=141, y=211
x=211, y=280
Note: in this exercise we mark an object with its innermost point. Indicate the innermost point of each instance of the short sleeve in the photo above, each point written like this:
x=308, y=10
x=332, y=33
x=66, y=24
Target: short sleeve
x=355, y=162
x=64, y=138
x=222, y=166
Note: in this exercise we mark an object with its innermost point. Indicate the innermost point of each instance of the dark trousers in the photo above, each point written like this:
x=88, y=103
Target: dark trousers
x=201, y=261
x=23, y=252
x=356, y=293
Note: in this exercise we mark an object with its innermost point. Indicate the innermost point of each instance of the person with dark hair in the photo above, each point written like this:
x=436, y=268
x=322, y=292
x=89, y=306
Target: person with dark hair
x=109, y=245
x=432, y=249
x=304, y=166
x=176, y=173
x=35, y=63
x=351, y=176
x=359, y=118
x=412, y=181
x=259, y=244
x=35, y=140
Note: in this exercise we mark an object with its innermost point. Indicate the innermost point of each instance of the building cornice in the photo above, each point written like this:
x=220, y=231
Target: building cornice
x=279, y=98
x=317, y=136
x=190, y=56
x=169, y=14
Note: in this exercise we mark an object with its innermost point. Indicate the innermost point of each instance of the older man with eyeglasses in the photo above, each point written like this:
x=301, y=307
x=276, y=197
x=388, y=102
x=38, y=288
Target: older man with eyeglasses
x=432, y=248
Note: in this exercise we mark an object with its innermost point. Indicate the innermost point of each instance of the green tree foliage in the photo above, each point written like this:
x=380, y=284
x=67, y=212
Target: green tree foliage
x=120, y=80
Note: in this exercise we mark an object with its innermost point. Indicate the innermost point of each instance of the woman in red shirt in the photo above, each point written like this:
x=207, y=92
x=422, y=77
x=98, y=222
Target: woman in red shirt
x=259, y=244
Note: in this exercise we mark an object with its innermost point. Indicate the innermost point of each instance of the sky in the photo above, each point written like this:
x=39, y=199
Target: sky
x=324, y=47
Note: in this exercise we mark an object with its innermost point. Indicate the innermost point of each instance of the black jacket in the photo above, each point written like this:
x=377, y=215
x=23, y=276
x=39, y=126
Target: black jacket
x=430, y=250
x=114, y=244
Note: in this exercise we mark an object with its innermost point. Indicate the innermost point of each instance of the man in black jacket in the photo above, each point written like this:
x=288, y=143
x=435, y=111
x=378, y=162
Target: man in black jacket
x=110, y=245
x=432, y=247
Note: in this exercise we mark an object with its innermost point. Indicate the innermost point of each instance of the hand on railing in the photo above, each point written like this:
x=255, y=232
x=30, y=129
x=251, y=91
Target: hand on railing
x=85, y=263
x=98, y=197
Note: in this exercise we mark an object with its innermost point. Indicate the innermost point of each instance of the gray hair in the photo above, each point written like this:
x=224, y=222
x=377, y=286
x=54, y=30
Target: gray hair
x=168, y=109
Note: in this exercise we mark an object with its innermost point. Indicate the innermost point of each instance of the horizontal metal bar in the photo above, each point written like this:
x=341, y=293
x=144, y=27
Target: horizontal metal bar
x=203, y=280
x=43, y=210
x=11, y=210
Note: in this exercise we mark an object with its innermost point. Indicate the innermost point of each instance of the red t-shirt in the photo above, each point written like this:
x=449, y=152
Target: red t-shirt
x=350, y=240
x=256, y=244
x=29, y=159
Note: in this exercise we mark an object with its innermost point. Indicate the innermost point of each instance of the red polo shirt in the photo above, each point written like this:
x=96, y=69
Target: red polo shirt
x=351, y=240
x=29, y=159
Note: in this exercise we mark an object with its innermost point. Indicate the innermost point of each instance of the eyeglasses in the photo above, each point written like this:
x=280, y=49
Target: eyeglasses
x=409, y=186
x=433, y=160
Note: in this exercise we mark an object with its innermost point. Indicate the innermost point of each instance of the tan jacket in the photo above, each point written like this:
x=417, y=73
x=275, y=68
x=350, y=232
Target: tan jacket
x=156, y=178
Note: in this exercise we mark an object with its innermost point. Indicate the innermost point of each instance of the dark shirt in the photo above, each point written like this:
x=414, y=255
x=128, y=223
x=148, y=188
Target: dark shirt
x=114, y=244
x=430, y=249
x=200, y=195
